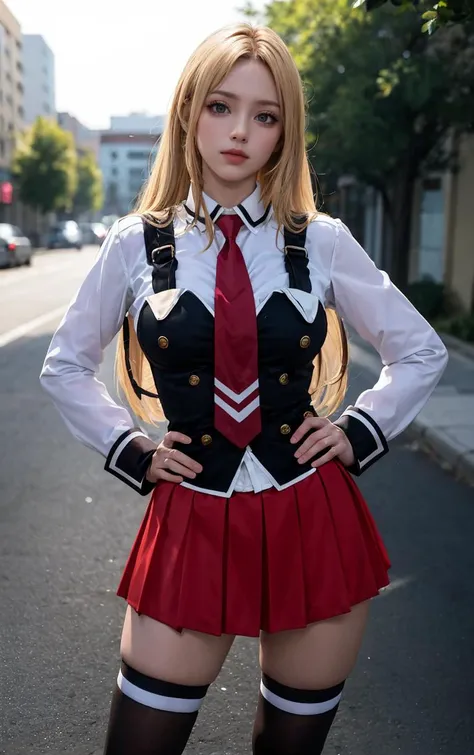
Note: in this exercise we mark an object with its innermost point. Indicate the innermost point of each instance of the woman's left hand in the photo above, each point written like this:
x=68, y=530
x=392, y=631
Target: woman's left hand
x=325, y=435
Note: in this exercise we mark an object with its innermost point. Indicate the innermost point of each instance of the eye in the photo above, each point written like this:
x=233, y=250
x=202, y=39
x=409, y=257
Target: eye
x=219, y=108
x=267, y=118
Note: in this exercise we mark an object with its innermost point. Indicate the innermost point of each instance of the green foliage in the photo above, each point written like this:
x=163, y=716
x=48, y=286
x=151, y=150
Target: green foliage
x=434, y=14
x=430, y=298
x=89, y=194
x=380, y=92
x=461, y=326
x=44, y=166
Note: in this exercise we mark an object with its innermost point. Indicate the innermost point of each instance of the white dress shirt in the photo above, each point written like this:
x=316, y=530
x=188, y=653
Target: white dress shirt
x=342, y=276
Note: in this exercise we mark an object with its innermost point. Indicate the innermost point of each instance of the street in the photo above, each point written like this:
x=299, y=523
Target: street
x=66, y=527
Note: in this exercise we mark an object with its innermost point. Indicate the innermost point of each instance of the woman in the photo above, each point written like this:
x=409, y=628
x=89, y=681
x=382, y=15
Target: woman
x=255, y=525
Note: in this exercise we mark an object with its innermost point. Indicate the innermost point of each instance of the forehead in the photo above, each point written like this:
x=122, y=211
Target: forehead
x=250, y=79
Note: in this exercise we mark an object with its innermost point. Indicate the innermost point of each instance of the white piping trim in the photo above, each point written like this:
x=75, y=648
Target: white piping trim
x=237, y=416
x=113, y=462
x=379, y=446
x=158, y=702
x=237, y=398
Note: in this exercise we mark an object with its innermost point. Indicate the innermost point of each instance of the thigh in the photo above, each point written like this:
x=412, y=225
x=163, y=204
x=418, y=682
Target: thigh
x=186, y=657
x=318, y=656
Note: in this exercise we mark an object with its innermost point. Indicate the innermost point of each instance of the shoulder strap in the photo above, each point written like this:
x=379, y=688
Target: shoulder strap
x=296, y=258
x=160, y=254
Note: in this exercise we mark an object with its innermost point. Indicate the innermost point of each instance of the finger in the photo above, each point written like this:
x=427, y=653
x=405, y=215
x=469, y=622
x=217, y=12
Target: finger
x=174, y=437
x=162, y=474
x=185, y=460
x=329, y=456
x=179, y=469
x=315, y=449
x=313, y=438
x=310, y=423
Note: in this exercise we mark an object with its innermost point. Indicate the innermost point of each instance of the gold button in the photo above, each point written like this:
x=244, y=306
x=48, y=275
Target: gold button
x=206, y=440
x=194, y=380
x=285, y=429
x=163, y=342
x=308, y=414
x=305, y=341
x=284, y=379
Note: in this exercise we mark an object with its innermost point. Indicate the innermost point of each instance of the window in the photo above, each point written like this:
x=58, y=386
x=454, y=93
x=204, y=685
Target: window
x=21, y=112
x=114, y=171
x=2, y=147
x=431, y=229
x=136, y=173
x=113, y=155
x=138, y=155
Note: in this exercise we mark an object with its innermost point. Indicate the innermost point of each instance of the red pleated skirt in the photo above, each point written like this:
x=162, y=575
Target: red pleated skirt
x=271, y=561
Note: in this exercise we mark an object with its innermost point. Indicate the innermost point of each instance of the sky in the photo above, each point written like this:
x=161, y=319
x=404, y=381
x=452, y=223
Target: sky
x=113, y=57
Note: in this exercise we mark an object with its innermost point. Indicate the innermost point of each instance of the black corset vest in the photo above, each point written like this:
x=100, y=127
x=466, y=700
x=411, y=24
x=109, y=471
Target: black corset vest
x=176, y=333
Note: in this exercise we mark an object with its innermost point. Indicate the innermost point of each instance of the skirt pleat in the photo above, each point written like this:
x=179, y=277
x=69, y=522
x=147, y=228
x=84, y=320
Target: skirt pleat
x=271, y=561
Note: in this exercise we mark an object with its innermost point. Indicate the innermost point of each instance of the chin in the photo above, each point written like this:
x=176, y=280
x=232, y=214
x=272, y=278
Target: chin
x=233, y=173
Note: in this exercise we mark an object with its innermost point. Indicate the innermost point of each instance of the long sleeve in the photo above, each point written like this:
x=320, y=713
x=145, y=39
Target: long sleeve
x=413, y=355
x=69, y=373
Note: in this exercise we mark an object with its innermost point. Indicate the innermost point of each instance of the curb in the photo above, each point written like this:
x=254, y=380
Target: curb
x=432, y=440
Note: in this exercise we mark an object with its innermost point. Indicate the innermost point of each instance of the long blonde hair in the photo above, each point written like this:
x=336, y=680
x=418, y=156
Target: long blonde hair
x=285, y=184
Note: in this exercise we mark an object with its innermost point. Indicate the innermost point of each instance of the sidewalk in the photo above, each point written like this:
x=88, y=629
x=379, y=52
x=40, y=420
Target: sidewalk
x=446, y=425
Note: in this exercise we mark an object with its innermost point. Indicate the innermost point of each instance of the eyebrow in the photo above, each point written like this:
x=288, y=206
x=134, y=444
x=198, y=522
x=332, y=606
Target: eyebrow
x=232, y=96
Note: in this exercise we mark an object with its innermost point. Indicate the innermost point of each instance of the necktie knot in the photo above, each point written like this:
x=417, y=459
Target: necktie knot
x=230, y=225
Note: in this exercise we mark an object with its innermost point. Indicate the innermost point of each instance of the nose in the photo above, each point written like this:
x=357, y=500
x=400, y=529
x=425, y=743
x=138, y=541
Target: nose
x=240, y=130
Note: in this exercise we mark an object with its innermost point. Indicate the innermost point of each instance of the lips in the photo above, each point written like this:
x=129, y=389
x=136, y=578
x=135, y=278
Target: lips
x=236, y=152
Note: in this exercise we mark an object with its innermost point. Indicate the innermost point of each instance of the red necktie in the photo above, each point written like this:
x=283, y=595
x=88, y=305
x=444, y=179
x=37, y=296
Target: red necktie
x=236, y=395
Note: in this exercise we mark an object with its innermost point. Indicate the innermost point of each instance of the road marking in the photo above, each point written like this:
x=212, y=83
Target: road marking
x=27, y=327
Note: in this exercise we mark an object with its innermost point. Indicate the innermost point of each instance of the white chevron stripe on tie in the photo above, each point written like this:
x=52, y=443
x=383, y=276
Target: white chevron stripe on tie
x=237, y=398
x=237, y=416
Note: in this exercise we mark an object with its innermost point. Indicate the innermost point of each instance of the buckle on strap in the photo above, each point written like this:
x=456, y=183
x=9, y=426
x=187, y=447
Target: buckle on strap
x=296, y=248
x=155, y=252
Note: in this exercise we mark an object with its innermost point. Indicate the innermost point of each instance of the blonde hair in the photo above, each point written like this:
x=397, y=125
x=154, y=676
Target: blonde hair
x=285, y=184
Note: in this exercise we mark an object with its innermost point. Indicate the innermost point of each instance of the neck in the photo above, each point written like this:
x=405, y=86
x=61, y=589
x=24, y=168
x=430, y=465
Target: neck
x=227, y=193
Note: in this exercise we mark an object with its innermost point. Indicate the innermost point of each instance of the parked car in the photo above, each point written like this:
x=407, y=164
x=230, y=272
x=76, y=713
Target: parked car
x=93, y=233
x=15, y=247
x=65, y=235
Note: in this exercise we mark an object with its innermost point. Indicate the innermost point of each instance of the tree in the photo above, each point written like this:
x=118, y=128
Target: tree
x=44, y=166
x=435, y=14
x=89, y=194
x=382, y=99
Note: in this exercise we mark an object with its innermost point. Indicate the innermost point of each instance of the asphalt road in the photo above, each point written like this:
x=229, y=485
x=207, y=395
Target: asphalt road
x=65, y=531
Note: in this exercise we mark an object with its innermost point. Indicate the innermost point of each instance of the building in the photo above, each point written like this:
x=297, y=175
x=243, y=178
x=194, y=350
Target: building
x=84, y=138
x=39, y=81
x=11, y=101
x=442, y=224
x=127, y=151
x=138, y=123
x=125, y=162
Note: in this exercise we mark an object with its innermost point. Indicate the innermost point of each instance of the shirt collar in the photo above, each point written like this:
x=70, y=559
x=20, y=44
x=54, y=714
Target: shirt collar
x=252, y=210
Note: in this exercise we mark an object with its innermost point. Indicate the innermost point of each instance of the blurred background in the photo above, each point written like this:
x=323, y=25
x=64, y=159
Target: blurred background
x=84, y=94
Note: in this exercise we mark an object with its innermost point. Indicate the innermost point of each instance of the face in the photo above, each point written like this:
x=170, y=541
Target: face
x=240, y=125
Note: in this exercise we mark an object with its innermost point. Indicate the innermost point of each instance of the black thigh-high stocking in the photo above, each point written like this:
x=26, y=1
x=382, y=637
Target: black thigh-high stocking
x=150, y=716
x=292, y=721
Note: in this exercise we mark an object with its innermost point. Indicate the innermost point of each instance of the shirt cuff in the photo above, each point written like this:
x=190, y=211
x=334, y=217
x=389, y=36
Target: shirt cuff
x=365, y=436
x=129, y=459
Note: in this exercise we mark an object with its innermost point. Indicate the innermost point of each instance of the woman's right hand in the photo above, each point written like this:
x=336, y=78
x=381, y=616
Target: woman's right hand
x=170, y=464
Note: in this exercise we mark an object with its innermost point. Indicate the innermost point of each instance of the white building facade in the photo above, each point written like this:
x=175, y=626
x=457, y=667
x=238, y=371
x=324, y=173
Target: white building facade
x=127, y=152
x=39, y=80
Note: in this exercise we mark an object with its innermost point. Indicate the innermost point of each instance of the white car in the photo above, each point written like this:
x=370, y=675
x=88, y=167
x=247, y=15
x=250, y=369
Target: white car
x=15, y=247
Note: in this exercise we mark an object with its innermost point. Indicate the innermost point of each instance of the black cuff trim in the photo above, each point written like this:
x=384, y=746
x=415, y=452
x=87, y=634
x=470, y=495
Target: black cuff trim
x=365, y=436
x=129, y=459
